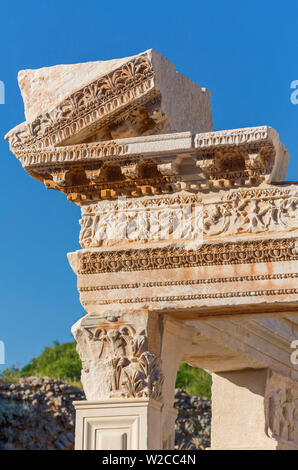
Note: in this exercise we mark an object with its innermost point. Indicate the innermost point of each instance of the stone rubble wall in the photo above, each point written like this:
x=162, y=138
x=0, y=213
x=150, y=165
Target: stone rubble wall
x=37, y=414
x=193, y=424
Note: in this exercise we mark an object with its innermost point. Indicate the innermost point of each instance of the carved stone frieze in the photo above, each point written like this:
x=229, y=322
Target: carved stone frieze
x=141, y=221
x=252, y=212
x=180, y=298
x=189, y=282
x=88, y=107
x=185, y=216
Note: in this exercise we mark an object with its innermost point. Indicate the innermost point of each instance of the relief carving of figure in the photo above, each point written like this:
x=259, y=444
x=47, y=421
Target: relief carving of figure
x=281, y=409
x=135, y=372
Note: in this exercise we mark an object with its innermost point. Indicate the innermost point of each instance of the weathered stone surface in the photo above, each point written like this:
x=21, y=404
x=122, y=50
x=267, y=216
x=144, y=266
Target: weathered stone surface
x=131, y=360
x=238, y=343
x=43, y=89
x=238, y=411
x=117, y=359
x=265, y=406
x=144, y=93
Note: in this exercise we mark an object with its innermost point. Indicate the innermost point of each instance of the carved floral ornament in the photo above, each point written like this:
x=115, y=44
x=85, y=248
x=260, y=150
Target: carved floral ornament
x=135, y=371
x=85, y=106
x=80, y=170
x=267, y=250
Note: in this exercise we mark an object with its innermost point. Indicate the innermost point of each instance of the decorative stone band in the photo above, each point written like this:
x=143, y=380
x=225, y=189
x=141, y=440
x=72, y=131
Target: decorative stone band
x=129, y=149
x=152, y=165
x=177, y=298
x=92, y=262
x=245, y=137
x=190, y=282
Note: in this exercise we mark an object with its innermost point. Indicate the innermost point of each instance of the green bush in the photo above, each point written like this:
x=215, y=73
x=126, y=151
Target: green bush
x=194, y=381
x=9, y=375
x=61, y=361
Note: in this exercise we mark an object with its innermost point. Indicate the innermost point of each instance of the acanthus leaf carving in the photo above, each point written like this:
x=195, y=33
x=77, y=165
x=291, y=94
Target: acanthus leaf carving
x=135, y=371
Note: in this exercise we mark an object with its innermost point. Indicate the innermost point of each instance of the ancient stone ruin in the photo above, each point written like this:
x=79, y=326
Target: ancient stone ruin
x=189, y=251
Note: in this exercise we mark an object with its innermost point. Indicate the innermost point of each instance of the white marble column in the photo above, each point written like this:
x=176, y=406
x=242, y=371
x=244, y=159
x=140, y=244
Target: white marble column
x=129, y=371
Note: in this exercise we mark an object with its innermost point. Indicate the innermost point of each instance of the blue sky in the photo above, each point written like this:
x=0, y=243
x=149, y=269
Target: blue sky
x=244, y=52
